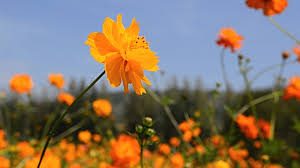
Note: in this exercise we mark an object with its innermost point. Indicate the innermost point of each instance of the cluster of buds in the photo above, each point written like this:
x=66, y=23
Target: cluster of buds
x=145, y=131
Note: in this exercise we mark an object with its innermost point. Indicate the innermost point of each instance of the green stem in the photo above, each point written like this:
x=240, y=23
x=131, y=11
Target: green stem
x=275, y=106
x=225, y=78
x=68, y=131
x=54, y=126
x=260, y=100
x=166, y=109
x=248, y=90
x=280, y=28
x=269, y=69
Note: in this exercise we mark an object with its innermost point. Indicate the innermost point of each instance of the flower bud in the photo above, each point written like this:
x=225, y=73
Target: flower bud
x=139, y=129
x=147, y=121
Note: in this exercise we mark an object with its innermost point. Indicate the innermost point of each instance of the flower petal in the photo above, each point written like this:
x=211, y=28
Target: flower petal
x=112, y=69
x=145, y=57
x=100, y=47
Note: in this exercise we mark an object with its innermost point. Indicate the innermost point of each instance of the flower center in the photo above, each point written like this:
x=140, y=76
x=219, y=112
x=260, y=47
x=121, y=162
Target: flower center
x=139, y=42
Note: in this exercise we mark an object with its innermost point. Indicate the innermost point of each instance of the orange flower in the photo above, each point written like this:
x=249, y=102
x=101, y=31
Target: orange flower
x=164, y=149
x=174, y=141
x=50, y=160
x=247, y=126
x=200, y=149
x=177, y=160
x=125, y=151
x=159, y=162
x=75, y=165
x=25, y=149
x=297, y=52
x=65, y=98
x=97, y=138
x=269, y=7
x=217, y=140
x=21, y=83
x=187, y=136
x=196, y=132
x=104, y=165
x=228, y=38
x=102, y=107
x=186, y=125
x=265, y=128
x=257, y=144
x=56, y=80
x=3, y=142
x=85, y=136
x=293, y=89
x=124, y=53
x=237, y=155
x=5, y=163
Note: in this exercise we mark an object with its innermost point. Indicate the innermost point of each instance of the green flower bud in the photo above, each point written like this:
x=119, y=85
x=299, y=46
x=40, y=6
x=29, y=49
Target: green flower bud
x=139, y=129
x=147, y=121
x=150, y=132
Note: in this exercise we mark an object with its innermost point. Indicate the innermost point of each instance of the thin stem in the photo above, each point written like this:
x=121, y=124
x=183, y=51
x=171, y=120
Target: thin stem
x=54, y=126
x=280, y=28
x=259, y=100
x=166, y=109
x=275, y=107
x=69, y=131
x=225, y=78
x=269, y=69
x=248, y=89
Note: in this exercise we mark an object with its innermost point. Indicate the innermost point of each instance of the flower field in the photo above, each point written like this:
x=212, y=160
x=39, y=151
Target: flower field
x=130, y=123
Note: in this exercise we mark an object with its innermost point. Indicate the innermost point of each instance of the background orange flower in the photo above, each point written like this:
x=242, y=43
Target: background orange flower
x=21, y=83
x=269, y=7
x=102, y=107
x=65, y=98
x=228, y=38
x=56, y=80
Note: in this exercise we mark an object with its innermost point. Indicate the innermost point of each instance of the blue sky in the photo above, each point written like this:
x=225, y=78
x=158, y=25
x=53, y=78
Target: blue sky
x=38, y=37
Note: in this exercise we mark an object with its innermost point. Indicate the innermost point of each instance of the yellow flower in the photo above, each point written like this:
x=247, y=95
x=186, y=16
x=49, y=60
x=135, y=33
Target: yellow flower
x=124, y=53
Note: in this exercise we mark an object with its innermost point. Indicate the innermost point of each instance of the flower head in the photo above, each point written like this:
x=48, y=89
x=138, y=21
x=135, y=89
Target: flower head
x=125, y=151
x=124, y=53
x=102, y=107
x=269, y=7
x=5, y=163
x=65, y=98
x=247, y=126
x=25, y=149
x=174, y=141
x=297, y=52
x=164, y=149
x=237, y=154
x=21, y=83
x=265, y=128
x=85, y=136
x=177, y=160
x=56, y=80
x=228, y=38
x=293, y=89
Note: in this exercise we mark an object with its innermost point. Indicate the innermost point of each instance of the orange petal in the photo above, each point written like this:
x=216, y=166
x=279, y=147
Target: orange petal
x=145, y=57
x=100, y=46
x=112, y=69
